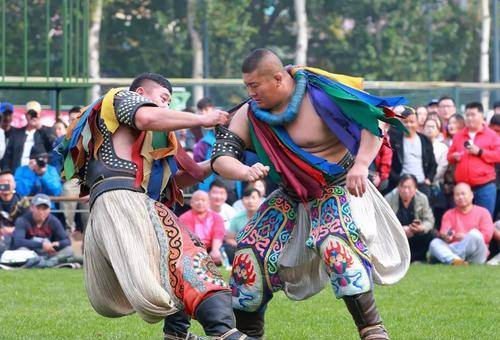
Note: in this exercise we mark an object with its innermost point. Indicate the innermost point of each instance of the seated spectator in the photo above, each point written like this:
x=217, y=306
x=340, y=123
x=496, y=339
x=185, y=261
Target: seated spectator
x=217, y=195
x=413, y=154
x=495, y=244
x=40, y=231
x=415, y=214
x=475, y=150
x=38, y=176
x=260, y=185
x=465, y=232
x=11, y=203
x=205, y=223
x=22, y=140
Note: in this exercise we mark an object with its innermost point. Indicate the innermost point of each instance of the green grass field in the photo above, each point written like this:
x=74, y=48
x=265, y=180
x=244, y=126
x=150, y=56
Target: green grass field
x=432, y=302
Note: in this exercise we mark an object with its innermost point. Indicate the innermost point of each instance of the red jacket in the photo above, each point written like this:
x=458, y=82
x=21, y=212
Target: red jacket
x=471, y=169
x=384, y=159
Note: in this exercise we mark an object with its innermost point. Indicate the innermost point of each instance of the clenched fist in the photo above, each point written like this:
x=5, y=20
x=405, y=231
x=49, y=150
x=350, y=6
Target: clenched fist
x=214, y=117
x=255, y=172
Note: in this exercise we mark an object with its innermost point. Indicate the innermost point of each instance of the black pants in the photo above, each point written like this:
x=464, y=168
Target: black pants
x=419, y=244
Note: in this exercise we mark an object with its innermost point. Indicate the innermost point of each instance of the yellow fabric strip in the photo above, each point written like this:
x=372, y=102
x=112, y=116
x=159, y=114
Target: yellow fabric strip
x=108, y=110
x=354, y=82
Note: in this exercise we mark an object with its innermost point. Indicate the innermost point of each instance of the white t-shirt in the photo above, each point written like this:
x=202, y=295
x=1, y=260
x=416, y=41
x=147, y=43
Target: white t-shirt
x=412, y=161
x=227, y=212
x=440, y=153
x=28, y=144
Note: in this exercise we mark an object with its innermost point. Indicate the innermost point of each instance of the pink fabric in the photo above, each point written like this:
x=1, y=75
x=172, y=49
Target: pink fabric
x=208, y=228
x=460, y=223
x=471, y=169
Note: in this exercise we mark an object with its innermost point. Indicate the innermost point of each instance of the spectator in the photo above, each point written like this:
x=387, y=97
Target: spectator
x=260, y=185
x=60, y=128
x=218, y=196
x=475, y=150
x=206, y=224
x=40, y=231
x=496, y=108
x=456, y=123
x=8, y=204
x=446, y=109
x=433, y=106
x=251, y=201
x=415, y=214
x=38, y=176
x=382, y=163
x=414, y=154
x=465, y=231
x=7, y=110
x=186, y=137
x=422, y=117
x=22, y=140
x=495, y=126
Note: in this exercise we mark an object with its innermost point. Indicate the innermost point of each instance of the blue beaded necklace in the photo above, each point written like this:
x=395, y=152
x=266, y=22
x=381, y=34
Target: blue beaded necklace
x=292, y=109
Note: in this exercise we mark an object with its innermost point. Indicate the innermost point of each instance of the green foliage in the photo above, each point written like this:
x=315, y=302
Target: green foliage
x=431, y=302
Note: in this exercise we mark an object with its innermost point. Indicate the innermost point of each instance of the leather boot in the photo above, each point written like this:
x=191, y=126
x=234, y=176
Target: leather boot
x=250, y=323
x=215, y=314
x=366, y=317
x=176, y=327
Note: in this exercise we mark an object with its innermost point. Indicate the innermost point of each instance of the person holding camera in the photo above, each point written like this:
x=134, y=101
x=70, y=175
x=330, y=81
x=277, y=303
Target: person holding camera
x=475, y=151
x=22, y=140
x=415, y=214
x=38, y=177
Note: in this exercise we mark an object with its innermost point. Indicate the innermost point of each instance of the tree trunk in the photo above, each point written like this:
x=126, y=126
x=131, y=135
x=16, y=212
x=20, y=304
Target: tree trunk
x=94, y=34
x=484, y=66
x=302, y=37
x=197, y=48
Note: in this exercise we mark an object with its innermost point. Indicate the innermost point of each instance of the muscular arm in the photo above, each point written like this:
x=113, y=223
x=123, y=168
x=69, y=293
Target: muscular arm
x=162, y=119
x=356, y=177
x=230, y=167
x=184, y=179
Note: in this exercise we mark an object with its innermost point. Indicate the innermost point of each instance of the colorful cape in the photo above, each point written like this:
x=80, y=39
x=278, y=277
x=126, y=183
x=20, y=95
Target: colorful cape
x=157, y=155
x=345, y=109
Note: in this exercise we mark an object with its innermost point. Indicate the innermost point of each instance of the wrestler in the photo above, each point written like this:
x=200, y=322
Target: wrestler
x=315, y=136
x=137, y=257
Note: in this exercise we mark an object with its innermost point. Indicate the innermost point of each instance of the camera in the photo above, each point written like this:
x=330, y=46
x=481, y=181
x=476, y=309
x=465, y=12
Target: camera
x=41, y=162
x=4, y=187
x=32, y=113
x=467, y=144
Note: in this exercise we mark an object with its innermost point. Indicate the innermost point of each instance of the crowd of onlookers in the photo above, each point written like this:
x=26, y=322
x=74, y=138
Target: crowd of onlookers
x=441, y=178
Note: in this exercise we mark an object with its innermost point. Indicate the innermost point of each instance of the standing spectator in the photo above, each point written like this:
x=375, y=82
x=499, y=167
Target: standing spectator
x=437, y=199
x=446, y=109
x=475, y=150
x=465, y=231
x=22, y=140
x=422, y=117
x=382, y=163
x=456, y=123
x=413, y=154
x=205, y=223
x=218, y=196
x=7, y=110
x=433, y=106
x=38, y=176
x=415, y=214
x=60, y=129
x=40, y=231
x=495, y=126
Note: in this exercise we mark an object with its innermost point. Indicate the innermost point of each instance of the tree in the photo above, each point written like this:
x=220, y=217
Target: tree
x=302, y=37
x=94, y=42
x=484, y=66
x=196, y=47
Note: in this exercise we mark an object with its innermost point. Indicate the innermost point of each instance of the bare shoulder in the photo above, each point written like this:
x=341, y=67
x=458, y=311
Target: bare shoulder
x=239, y=124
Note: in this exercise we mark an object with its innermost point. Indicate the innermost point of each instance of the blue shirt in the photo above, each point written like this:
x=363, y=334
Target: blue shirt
x=30, y=183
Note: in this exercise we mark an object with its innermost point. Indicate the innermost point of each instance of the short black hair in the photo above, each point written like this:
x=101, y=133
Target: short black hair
x=405, y=177
x=248, y=192
x=75, y=109
x=6, y=172
x=495, y=119
x=445, y=98
x=475, y=105
x=203, y=103
x=408, y=111
x=253, y=59
x=219, y=184
x=155, y=77
x=60, y=121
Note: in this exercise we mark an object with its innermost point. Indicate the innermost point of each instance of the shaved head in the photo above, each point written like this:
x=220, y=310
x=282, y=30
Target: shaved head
x=200, y=194
x=199, y=202
x=263, y=60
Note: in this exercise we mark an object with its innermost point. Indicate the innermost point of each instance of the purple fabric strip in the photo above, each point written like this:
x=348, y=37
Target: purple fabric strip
x=348, y=132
